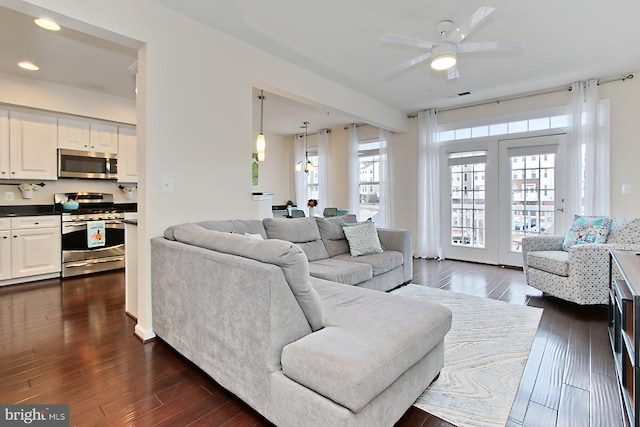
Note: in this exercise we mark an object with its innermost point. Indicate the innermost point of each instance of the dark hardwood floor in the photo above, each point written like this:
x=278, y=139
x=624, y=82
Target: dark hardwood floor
x=70, y=342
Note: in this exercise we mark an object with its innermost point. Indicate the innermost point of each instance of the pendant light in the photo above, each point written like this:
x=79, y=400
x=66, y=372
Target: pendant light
x=260, y=142
x=308, y=166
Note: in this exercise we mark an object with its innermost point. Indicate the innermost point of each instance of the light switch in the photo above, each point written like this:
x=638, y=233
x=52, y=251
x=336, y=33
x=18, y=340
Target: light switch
x=167, y=185
x=626, y=188
x=8, y=196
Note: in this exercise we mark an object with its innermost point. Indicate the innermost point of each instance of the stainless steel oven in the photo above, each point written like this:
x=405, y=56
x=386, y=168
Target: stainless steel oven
x=82, y=251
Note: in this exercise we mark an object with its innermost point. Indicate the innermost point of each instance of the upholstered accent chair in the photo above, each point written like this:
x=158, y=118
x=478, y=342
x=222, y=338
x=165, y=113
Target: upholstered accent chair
x=579, y=274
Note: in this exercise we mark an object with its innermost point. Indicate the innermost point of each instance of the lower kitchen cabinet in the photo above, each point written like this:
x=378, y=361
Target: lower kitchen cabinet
x=31, y=249
x=5, y=255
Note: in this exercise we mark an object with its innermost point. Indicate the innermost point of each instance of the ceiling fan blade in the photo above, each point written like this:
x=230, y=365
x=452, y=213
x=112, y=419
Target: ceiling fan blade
x=463, y=30
x=452, y=73
x=490, y=46
x=406, y=65
x=406, y=41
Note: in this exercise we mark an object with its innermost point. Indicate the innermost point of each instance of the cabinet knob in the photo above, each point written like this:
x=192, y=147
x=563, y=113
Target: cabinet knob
x=3, y=173
x=4, y=237
x=36, y=223
x=13, y=172
x=15, y=237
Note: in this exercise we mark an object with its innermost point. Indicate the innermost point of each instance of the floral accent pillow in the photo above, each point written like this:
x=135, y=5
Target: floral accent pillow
x=362, y=237
x=587, y=230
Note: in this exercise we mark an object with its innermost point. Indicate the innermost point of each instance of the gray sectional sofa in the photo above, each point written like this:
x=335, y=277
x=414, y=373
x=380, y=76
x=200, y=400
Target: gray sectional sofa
x=301, y=350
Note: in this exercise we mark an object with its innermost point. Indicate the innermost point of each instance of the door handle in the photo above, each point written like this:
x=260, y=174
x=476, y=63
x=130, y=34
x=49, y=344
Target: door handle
x=560, y=209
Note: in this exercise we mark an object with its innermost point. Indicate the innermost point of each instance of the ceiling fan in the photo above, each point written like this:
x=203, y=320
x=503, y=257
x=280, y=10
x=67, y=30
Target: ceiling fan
x=443, y=55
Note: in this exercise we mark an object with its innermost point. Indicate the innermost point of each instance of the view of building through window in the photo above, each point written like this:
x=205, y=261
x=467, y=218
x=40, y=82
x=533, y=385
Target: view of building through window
x=532, y=196
x=369, y=179
x=467, y=172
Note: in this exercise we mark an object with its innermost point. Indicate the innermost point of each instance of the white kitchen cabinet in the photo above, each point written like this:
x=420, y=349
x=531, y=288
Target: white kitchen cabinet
x=5, y=248
x=127, y=155
x=4, y=145
x=103, y=137
x=32, y=146
x=73, y=134
x=86, y=135
x=31, y=249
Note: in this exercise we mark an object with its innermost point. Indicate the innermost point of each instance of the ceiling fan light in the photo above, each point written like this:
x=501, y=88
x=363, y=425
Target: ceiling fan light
x=443, y=62
x=26, y=65
x=444, y=56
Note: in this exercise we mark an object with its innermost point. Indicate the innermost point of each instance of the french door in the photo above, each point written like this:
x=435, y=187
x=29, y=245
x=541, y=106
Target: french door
x=531, y=192
x=497, y=192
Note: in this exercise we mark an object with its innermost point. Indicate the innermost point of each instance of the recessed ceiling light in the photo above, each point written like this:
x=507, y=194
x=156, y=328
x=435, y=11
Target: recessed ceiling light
x=28, y=66
x=47, y=24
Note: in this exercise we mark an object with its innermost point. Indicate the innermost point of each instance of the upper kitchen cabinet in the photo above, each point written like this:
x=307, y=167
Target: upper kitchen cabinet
x=103, y=137
x=32, y=146
x=73, y=134
x=84, y=135
x=4, y=144
x=127, y=155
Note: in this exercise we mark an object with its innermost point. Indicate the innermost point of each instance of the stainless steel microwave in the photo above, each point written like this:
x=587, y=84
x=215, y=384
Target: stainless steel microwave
x=87, y=164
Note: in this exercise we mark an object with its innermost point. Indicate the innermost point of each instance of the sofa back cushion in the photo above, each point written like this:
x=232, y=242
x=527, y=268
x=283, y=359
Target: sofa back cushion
x=239, y=226
x=332, y=233
x=624, y=230
x=289, y=257
x=301, y=231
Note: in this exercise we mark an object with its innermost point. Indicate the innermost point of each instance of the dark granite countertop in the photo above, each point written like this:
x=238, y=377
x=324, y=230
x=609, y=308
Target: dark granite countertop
x=34, y=210
x=27, y=210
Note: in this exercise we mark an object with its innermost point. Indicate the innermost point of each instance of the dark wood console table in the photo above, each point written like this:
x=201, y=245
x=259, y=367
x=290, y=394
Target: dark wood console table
x=624, y=328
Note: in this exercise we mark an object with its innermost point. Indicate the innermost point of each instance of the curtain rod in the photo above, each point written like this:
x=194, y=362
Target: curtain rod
x=300, y=135
x=527, y=95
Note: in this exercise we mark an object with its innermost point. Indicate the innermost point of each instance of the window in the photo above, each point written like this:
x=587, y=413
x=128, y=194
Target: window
x=550, y=121
x=313, y=189
x=467, y=171
x=369, y=178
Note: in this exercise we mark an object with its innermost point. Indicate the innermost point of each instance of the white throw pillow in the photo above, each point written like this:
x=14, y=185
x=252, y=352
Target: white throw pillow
x=363, y=238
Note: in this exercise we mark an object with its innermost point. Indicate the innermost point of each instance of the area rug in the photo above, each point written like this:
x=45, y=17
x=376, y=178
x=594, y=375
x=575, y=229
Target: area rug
x=485, y=354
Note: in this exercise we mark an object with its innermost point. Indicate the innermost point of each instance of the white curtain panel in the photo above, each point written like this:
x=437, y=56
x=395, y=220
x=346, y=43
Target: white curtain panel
x=325, y=184
x=428, y=198
x=589, y=130
x=597, y=152
x=353, y=166
x=300, y=177
x=385, y=204
x=573, y=163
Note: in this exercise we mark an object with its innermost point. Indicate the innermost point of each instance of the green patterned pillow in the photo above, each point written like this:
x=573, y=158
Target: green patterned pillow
x=585, y=230
x=362, y=237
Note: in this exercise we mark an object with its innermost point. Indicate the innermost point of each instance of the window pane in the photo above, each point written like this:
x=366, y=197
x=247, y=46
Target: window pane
x=467, y=203
x=498, y=129
x=517, y=127
x=463, y=133
x=539, y=124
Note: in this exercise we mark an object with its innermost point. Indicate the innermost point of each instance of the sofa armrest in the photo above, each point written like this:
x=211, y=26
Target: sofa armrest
x=395, y=239
x=539, y=243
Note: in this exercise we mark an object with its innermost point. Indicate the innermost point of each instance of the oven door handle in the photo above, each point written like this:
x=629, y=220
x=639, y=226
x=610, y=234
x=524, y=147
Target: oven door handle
x=92, y=261
x=84, y=224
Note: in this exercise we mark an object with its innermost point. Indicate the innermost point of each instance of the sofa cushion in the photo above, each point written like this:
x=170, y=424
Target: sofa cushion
x=362, y=237
x=302, y=231
x=288, y=256
x=624, y=230
x=380, y=263
x=370, y=339
x=332, y=234
x=341, y=271
x=585, y=230
x=241, y=226
x=555, y=262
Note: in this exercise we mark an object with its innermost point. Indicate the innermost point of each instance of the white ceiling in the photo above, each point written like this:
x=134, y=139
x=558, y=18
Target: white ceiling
x=565, y=41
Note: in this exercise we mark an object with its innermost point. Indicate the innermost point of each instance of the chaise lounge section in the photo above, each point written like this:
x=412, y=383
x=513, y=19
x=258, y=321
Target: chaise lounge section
x=298, y=349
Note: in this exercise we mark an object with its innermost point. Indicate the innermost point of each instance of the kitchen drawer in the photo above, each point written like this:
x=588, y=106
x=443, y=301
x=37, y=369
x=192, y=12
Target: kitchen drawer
x=5, y=224
x=43, y=221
